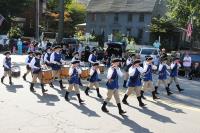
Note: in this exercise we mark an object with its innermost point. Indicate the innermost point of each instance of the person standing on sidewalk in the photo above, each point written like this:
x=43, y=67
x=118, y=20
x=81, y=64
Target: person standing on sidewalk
x=187, y=62
x=112, y=85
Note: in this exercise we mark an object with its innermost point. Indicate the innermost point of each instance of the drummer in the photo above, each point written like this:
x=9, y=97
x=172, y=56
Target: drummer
x=93, y=57
x=27, y=61
x=94, y=80
x=7, y=67
x=74, y=72
x=77, y=57
x=36, y=67
x=129, y=62
x=47, y=57
x=56, y=61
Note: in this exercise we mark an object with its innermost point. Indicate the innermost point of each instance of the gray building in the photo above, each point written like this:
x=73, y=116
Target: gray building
x=129, y=17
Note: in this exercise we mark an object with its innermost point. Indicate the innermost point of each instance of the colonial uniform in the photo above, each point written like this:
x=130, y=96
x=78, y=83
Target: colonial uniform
x=27, y=61
x=47, y=57
x=36, y=68
x=74, y=73
x=174, y=73
x=7, y=67
x=148, y=83
x=162, y=76
x=56, y=63
x=92, y=58
x=134, y=83
x=94, y=79
x=113, y=86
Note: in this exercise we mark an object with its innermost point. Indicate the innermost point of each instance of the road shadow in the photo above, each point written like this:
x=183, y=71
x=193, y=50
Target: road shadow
x=134, y=127
x=167, y=107
x=13, y=88
x=49, y=99
x=154, y=115
x=97, y=99
x=85, y=110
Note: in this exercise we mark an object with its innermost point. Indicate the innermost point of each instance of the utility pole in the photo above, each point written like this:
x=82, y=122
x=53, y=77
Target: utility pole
x=37, y=20
x=61, y=21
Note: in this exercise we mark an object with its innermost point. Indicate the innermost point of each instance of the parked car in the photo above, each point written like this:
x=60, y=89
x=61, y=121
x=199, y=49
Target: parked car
x=114, y=48
x=51, y=36
x=153, y=52
x=71, y=44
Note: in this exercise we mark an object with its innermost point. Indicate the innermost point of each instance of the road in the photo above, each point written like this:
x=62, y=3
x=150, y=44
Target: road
x=24, y=112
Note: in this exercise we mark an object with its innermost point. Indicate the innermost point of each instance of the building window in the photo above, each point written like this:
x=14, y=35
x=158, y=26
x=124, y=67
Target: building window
x=140, y=34
x=141, y=17
x=103, y=18
x=93, y=17
x=116, y=18
x=128, y=31
x=130, y=17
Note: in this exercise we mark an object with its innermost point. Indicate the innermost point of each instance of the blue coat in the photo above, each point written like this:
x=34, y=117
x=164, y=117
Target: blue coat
x=113, y=84
x=74, y=78
x=37, y=64
x=8, y=63
x=174, y=71
x=57, y=58
x=163, y=73
x=134, y=80
x=94, y=58
x=94, y=77
x=148, y=74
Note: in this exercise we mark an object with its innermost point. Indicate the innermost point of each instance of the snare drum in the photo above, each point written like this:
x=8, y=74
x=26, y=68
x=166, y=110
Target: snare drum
x=85, y=73
x=47, y=76
x=64, y=71
x=101, y=68
x=15, y=71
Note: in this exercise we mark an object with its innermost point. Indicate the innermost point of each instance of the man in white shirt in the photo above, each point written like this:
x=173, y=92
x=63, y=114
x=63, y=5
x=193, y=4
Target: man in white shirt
x=187, y=61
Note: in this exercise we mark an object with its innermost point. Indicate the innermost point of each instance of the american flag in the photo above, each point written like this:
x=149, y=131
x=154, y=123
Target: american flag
x=1, y=19
x=189, y=29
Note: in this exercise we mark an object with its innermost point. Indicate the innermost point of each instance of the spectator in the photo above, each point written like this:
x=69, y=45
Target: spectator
x=48, y=44
x=19, y=46
x=157, y=44
x=80, y=49
x=187, y=61
x=163, y=53
x=195, y=72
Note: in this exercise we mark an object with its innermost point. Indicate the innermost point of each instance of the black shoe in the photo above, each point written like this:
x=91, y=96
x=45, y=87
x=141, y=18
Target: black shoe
x=156, y=89
x=154, y=95
x=66, y=96
x=31, y=88
x=61, y=85
x=141, y=104
x=103, y=108
x=51, y=85
x=2, y=79
x=179, y=89
x=79, y=99
x=98, y=93
x=121, y=112
x=86, y=91
x=168, y=91
x=142, y=95
x=124, y=101
x=43, y=90
x=10, y=81
x=24, y=77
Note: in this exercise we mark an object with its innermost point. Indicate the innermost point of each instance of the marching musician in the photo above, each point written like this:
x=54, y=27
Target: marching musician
x=93, y=57
x=148, y=83
x=47, y=57
x=94, y=79
x=74, y=72
x=112, y=85
x=36, y=67
x=134, y=82
x=174, y=73
x=7, y=67
x=56, y=63
x=27, y=61
x=129, y=62
x=162, y=76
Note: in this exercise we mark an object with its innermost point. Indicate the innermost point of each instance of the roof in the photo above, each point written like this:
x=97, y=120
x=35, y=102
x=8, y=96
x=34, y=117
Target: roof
x=121, y=5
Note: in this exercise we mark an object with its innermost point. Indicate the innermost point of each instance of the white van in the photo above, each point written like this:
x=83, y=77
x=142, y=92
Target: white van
x=51, y=36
